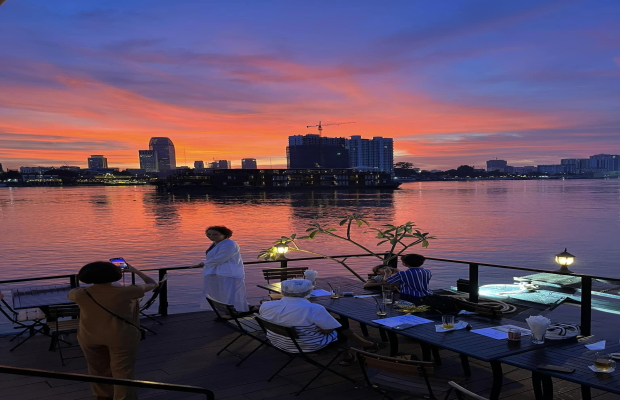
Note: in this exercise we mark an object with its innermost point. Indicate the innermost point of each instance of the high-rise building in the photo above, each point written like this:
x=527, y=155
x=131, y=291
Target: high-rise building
x=248, y=163
x=376, y=154
x=314, y=151
x=496, y=165
x=1, y=170
x=605, y=162
x=575, y=165
x=220, y=164
x=166, y=157
x=97, y=162
x=199, y=165
x=148, y=160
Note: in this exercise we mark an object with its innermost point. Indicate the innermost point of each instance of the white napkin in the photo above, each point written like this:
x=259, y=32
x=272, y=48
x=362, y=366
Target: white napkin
x=593, y=368
x=458, y=325
x=596, y=346
x=538, y=325
x=311, y=275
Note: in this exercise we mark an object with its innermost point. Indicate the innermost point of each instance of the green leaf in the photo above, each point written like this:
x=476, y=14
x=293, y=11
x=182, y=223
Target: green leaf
x=344, y=221
x=310, y=229
x=359, y=223
x=425, y=243
x=381, y=242
x=313, y=234
x=293, y=236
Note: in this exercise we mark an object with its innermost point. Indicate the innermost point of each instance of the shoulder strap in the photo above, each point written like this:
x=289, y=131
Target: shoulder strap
x=112, y=313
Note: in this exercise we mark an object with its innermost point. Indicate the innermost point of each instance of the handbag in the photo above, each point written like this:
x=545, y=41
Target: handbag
x=141, y=330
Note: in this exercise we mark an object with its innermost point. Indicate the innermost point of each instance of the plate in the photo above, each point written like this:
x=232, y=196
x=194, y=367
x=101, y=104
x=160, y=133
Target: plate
x=559, y=331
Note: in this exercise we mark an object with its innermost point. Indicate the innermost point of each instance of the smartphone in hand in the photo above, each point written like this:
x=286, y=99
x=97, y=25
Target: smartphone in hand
x=119, y=262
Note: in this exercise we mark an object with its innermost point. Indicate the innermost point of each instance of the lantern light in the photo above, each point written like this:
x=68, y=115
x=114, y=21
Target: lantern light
x=564, y=259
x=281, y=249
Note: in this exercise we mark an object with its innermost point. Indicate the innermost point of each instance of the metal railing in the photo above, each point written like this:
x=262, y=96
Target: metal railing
x=586, y=280
x=110, y=381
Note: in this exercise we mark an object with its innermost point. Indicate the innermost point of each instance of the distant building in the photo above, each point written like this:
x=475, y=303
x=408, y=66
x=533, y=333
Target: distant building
x=199, y=165
x=148, y=160
x=220, y=164
x=605, y=162
x=97, y=162
x=314, y=151
x=575, y=165
x=528, y=169
x=166, y=156
x=509, y=169
x=70, y=168
x=34, y=170
x=1, y=170
x=496, y=165
x=248, y=163
x=551, y=169
x=136, y=171
x=376, y=154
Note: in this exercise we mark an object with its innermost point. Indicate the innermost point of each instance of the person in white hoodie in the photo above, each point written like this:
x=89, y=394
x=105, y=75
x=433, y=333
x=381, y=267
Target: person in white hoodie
x=224, y=277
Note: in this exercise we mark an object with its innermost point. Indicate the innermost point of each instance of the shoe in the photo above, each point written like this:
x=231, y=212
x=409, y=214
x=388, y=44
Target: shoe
x=374, y=348
x=347, y=361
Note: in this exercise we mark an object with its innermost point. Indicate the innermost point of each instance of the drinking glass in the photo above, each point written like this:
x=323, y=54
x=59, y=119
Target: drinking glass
x=388, y=296
x=447, y=321
x=336, y=293
x=603, y=362
x=381, y=309
x=514, y=334
x=538, y=335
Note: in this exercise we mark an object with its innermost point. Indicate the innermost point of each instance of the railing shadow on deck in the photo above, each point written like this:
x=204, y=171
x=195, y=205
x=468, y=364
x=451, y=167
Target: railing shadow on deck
x=586, y=280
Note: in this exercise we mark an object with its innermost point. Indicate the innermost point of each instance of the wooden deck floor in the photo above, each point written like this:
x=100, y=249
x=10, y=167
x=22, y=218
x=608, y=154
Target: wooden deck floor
x=184, y=350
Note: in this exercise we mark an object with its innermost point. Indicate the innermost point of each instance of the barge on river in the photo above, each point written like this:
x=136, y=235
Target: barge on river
x=263, y=179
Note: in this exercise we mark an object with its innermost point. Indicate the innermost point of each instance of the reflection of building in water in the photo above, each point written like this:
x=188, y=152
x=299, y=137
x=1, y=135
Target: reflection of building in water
x=333, y=204
x=164, y=209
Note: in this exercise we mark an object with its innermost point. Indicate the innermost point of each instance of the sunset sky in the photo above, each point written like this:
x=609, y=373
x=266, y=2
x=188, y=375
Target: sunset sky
x=453, y=82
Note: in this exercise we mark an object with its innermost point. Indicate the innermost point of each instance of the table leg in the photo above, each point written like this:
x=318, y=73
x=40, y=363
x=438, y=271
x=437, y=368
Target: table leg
x=426, y=352
x=436, y=356
x=393, y=338
x=537, y=386
x=498, y=377
x=465, y=364
x=585, y=393
x=364, y=329
x=384, y=337
x=547, y=387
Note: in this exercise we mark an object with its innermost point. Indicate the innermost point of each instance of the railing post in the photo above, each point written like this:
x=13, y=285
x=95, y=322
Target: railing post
x=163, y=294
x=73, y=282
x=473, y=283
x=133, y=278
x=586, y=305
x=284, y=263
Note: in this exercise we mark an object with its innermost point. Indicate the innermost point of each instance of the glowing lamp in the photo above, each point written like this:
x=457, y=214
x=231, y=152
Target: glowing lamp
x=281, y=249
x=564, y=259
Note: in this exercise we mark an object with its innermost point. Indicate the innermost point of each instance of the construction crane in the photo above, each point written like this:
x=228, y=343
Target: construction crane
x=321, y=126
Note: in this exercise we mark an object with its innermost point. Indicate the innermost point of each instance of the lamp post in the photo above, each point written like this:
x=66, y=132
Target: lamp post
x=564, y=259
x=281, y=249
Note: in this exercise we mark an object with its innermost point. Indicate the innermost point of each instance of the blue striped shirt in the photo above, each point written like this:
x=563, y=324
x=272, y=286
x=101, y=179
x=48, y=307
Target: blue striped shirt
x=413, y=281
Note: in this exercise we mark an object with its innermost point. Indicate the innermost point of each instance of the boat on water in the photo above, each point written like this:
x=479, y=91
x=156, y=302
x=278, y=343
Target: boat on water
x=267, y=179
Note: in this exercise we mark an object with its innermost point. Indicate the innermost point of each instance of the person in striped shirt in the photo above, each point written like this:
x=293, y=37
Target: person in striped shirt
x=315, y=326
x=413, y=282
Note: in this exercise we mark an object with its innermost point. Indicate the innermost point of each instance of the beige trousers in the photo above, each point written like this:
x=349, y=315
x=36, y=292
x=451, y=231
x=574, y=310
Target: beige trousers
x=116, y=361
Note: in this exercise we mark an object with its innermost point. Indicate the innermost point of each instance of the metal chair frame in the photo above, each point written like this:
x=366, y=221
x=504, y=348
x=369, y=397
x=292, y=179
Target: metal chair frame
x=226, y=313
x=56, y=312
x=35, y=326
x=151, y=301
x=394, y=365
x=291, y=333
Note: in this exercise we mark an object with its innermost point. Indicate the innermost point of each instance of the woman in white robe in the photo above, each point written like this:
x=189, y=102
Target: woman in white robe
x=223, y=274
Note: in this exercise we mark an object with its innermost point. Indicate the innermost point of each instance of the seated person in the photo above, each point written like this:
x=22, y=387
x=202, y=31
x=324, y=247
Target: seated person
x=413, y=282
x=314, y=324
x=382, y=272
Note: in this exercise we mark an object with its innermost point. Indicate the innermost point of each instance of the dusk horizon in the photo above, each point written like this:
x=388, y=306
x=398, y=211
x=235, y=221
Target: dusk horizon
x=453, y=83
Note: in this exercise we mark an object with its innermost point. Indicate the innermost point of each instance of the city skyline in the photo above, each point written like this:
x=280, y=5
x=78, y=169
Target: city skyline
x=453, y=84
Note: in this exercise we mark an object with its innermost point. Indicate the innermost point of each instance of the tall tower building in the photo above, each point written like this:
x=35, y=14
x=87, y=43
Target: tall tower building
x=97, y=162
x=376, y=153
x=199, y=165
x=1, y=170
x=248, y=163
x=148, y=160
x=314, y=151
x=166, y=157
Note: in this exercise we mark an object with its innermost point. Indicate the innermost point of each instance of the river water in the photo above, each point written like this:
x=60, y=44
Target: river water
x=51, y=231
